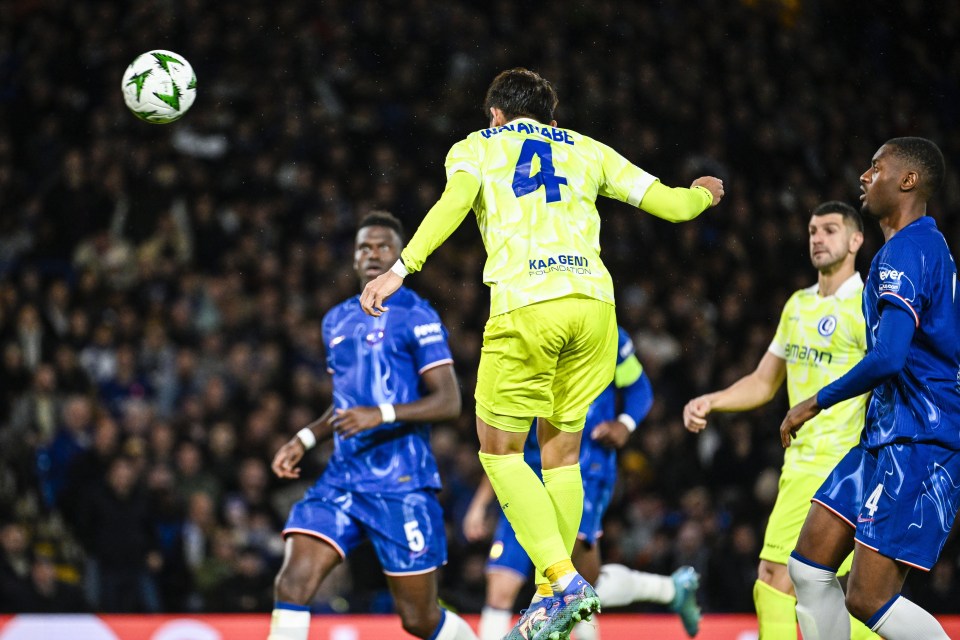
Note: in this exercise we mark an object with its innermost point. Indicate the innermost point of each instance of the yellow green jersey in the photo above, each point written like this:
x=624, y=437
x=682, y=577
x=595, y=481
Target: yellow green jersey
x=821, y=338
x=536, y=209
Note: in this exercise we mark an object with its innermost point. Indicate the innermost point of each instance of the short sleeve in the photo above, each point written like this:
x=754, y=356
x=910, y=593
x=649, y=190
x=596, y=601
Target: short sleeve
x=464, y=156
x=622, y=180
x=901, y=277
x=427, y=338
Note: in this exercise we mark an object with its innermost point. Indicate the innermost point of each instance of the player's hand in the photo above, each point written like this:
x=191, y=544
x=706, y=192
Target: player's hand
x=612, y=433
x=695, y=414
x=285, y=461
x=799, y=414
x=350, y=422
x=713, y=185
x=476, y=526
x=377, y=291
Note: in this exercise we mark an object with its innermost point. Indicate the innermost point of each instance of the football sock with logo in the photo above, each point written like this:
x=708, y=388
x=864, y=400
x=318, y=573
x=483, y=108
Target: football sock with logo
x=901, y=619
x=528, y=507
x=776, y=612
x=821, y=609
x=289, y=621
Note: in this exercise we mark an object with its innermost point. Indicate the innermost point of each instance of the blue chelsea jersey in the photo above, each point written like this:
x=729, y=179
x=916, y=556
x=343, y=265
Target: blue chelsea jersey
x=597, y=460
x=376, y=360
x=915, y=271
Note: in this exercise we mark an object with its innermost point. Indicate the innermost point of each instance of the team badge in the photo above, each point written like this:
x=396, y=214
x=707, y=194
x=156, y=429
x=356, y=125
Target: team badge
x=827, y=325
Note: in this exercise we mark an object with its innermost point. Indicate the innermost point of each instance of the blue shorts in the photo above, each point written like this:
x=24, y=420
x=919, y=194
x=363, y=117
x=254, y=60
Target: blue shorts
x=406, y=528
x=900, y=498
x=506, y=552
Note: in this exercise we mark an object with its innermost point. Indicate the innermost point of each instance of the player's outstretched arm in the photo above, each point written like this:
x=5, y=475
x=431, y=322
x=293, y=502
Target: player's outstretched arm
x=679, y=204
x=442, y=220
x=749, y=392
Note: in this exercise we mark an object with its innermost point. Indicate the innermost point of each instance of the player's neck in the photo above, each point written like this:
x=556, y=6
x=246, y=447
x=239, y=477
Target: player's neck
x=900, y=218
x=828, y=283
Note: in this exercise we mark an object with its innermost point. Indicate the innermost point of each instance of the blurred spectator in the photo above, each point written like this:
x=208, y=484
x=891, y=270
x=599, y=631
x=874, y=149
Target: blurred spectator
x=118, y=532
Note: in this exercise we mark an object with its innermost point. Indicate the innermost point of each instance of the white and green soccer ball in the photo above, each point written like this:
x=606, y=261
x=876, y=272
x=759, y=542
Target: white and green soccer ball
x=159, y=86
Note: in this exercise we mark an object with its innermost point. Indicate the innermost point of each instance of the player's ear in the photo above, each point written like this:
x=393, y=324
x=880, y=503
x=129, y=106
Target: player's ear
x=496, y=117
x=909, y=181
x=856, y=241
x=553, y=123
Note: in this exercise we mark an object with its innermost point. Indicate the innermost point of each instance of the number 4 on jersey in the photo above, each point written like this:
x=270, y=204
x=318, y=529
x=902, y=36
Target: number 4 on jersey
x=873, y=502
x=524, y=183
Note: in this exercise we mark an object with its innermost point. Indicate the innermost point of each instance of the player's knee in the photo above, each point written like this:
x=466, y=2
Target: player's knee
x=861, y=606
x=293, y=586
x=420, y=622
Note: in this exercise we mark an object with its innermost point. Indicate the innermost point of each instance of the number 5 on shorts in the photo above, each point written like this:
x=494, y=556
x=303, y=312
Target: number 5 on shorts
x=874, y=500
x=414, y=536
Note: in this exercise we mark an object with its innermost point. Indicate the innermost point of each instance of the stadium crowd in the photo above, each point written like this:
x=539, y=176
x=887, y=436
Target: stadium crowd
x=161, y=287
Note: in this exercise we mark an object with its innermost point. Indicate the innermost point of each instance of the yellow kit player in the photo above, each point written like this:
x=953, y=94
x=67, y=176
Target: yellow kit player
x=820, y=337
x=550, y=345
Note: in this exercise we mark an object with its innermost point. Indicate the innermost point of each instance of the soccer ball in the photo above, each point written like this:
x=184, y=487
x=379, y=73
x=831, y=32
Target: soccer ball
x=159, y=86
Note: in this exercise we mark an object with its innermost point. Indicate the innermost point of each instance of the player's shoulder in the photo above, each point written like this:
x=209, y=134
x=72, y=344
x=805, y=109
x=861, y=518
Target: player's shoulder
x=341, y=309
x=415, y=306
x=800, y=296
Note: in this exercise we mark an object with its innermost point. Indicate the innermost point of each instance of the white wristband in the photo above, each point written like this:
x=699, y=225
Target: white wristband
x=399, y=269
x=307, y=439
x=628, y=422
x=388, y=413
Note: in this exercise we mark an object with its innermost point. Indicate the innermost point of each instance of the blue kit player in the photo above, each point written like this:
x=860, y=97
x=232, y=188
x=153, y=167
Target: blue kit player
x=392, y=376
x=508, y=568
x=893, y=498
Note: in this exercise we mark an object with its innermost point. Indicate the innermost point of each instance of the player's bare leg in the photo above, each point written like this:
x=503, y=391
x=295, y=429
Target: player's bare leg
x=873, y=596
x=306, y=562
x=415, y=597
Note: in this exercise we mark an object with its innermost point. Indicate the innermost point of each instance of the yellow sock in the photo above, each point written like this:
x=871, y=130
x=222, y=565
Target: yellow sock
x=776, y=612
x=565, y=487
x=544, y=590
x=557, y=571
x=528, y=508
x=860, y=631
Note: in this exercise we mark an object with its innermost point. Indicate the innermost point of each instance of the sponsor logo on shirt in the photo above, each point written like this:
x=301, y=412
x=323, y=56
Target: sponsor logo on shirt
x=803, y=353
x=895, y=281
x=570, y=263
x=428, y=333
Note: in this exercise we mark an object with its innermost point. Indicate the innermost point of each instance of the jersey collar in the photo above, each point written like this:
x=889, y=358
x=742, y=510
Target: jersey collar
x=850, y=287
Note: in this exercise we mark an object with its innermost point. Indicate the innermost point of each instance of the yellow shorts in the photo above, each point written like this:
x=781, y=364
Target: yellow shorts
x=546, y=360
x=789, y=511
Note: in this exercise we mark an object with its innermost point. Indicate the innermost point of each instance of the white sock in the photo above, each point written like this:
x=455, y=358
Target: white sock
x=494, y=623
x=619, y=586
x=821, y=609
x=289, y=624
x=454, y=627
x=904, y=620
x=587, y=630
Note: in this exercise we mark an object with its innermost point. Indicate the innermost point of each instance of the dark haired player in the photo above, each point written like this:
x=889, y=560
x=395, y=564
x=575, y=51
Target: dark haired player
x=392, y=376
x=550, y=345
x=896, y=493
